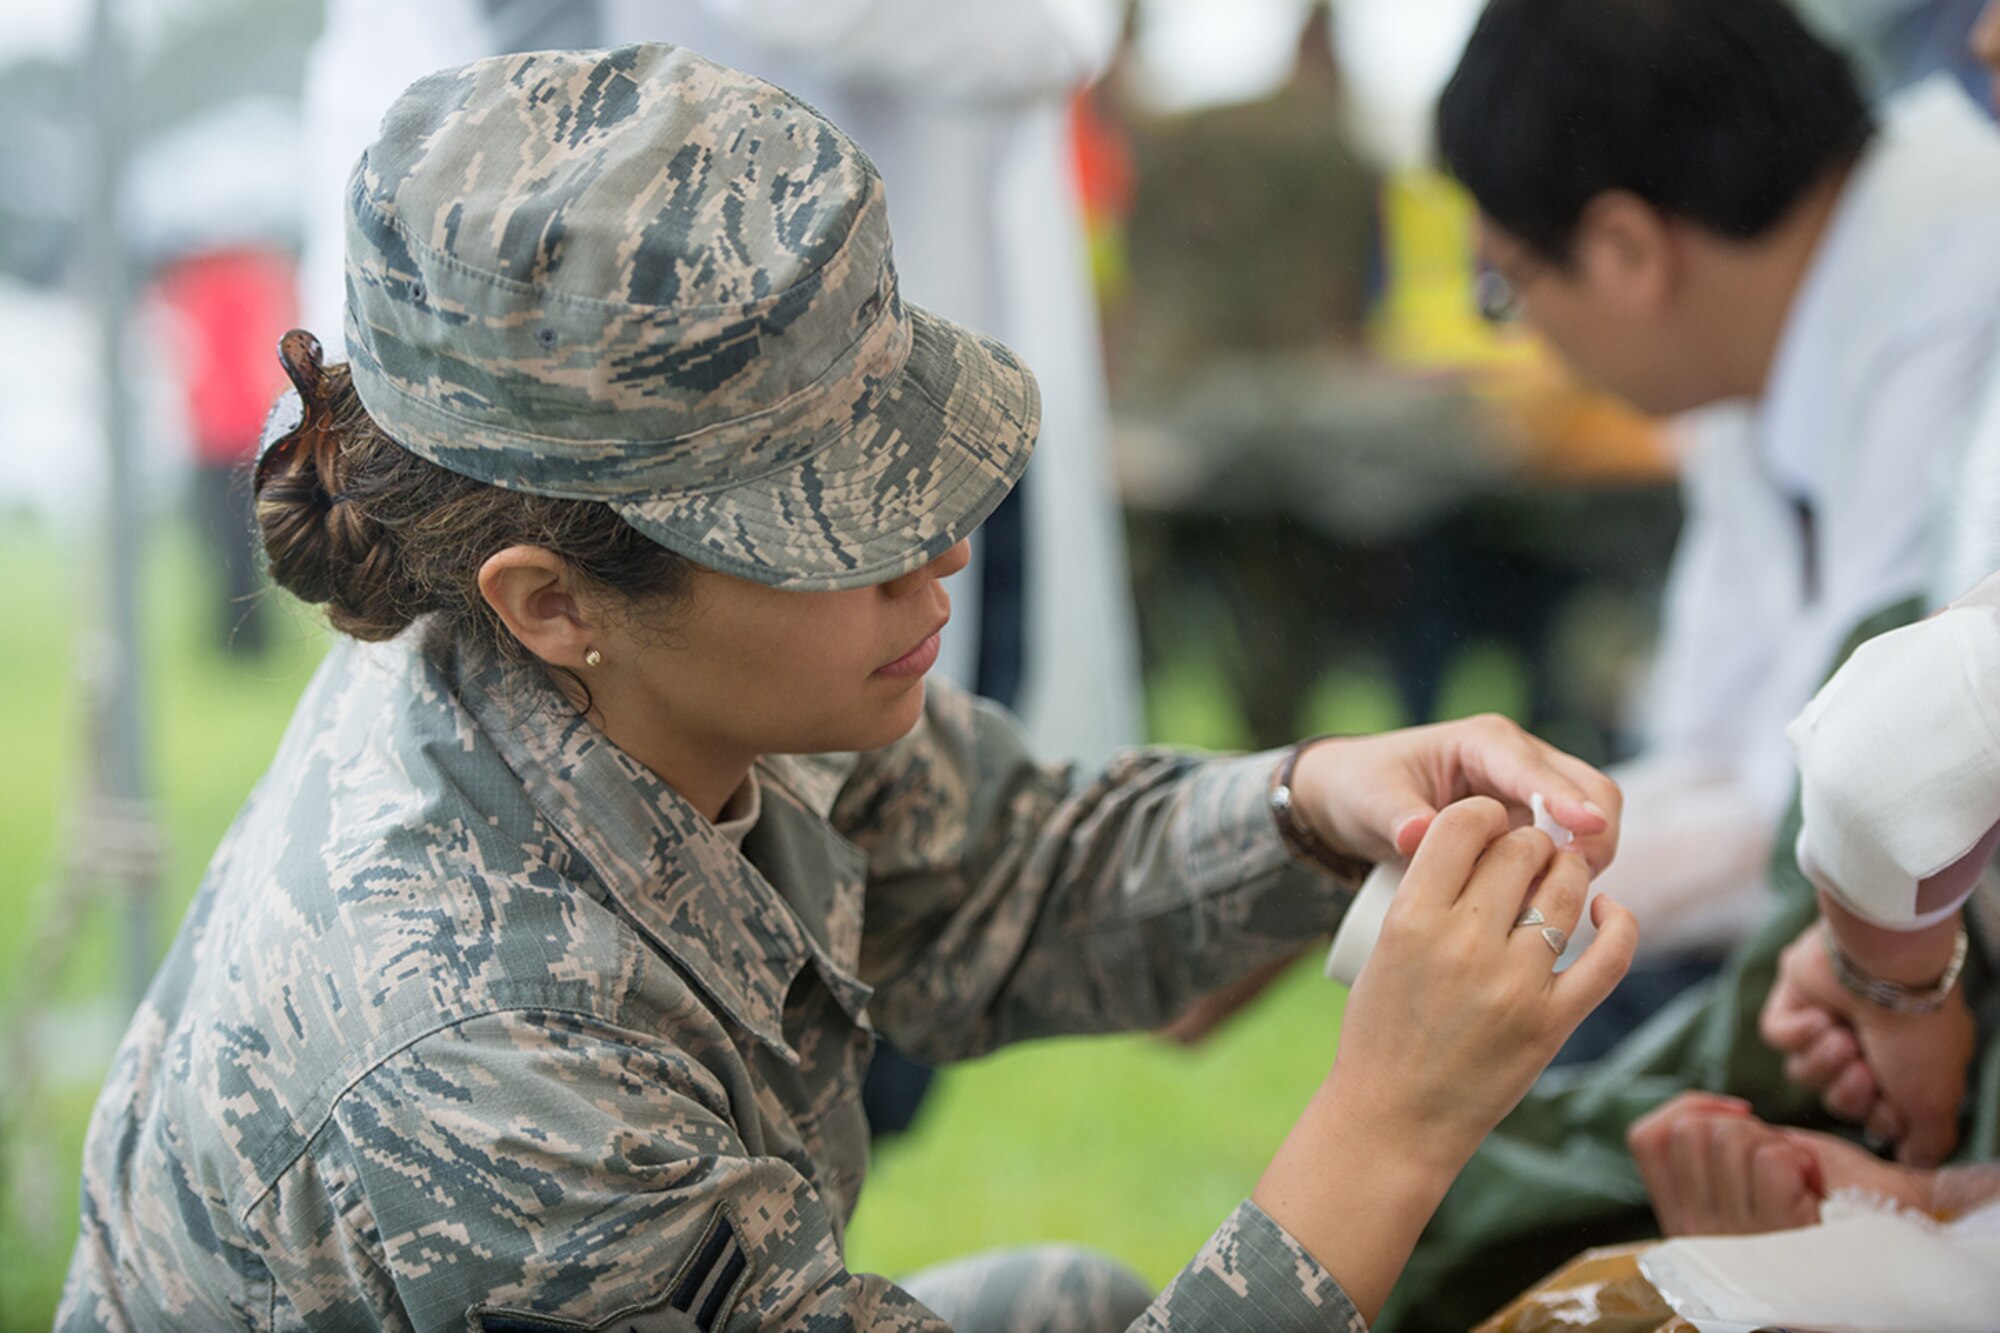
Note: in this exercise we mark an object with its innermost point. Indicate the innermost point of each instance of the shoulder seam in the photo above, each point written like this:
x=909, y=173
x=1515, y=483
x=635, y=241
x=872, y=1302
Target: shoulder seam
x=280, y=1165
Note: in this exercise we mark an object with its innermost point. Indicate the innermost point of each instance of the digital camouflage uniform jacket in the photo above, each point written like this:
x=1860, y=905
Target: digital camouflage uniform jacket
x=475, y=1024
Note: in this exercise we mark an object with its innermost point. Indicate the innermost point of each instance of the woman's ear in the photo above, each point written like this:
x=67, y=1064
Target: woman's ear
x=532, y=590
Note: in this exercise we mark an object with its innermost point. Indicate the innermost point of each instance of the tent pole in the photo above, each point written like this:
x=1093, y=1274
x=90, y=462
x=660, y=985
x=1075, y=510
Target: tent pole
x=117, y=716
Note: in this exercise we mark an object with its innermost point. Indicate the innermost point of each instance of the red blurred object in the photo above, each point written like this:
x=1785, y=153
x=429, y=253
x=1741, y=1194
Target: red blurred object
x=1102, y=153
x=233, y=306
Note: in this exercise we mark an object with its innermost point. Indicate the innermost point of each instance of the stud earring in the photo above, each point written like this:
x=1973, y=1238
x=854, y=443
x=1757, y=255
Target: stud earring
x=592, y=657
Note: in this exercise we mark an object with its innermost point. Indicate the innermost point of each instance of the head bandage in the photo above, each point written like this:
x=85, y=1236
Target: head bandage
x=1899, y=762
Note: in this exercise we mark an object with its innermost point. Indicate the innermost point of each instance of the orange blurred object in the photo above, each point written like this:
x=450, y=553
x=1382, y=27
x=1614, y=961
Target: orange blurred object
x=1567, y=432
x=1556, y=428
x=1599, y=1291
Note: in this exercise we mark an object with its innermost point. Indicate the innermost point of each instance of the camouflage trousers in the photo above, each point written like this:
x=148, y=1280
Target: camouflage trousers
x=1044, y=1289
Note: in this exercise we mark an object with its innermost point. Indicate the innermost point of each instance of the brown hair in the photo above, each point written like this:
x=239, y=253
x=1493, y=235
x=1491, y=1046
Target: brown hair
x=352, y=520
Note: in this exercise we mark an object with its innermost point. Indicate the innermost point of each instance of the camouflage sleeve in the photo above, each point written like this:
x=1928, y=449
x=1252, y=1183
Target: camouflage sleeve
x=1252, y=1277
x=539, y=1170
x=1006, y=902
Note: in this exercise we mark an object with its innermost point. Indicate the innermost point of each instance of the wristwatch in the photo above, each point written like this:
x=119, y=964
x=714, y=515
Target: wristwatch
x=1298, y=837
x=1891, y=995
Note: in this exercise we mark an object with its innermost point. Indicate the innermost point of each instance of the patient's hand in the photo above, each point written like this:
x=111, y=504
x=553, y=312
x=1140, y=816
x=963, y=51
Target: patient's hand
x=1903, y=1076
x=1712, y=1168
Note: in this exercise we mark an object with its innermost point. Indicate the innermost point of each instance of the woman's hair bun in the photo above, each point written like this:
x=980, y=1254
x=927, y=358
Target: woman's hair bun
x=381, y=536
x=315, y=514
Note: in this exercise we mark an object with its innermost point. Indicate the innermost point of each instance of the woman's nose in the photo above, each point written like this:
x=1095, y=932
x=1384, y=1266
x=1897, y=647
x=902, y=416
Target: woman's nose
x=946, y=563
x=954, y=559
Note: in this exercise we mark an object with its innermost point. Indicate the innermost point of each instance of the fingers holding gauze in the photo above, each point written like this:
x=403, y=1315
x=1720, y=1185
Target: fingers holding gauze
x=1473, y=879
x=1538, y=891
x=1578, y=807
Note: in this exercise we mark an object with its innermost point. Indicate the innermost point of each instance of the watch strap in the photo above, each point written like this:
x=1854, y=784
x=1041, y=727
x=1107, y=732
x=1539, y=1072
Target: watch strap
x=1298, y=837
x=1891, y=995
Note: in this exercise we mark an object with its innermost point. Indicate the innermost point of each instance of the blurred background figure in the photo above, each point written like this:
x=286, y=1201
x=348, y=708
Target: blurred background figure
x=228, y=306
x=1320, y=442
x=139, y=135
x=1399, y=511
x=221, y=245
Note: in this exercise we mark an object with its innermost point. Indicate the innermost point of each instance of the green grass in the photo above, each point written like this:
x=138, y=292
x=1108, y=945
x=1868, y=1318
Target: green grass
x=38, y=701
x=212, y=723
x=1130, y=1144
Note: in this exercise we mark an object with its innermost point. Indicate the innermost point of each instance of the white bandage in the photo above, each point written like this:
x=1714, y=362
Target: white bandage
x=1899, y=762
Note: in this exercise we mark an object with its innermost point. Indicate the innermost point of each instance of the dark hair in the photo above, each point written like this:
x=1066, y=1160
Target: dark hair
x=1722, y=112
x=381, y=537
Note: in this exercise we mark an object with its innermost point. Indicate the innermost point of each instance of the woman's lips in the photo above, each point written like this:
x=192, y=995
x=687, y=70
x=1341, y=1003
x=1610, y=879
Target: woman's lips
x=915, y=662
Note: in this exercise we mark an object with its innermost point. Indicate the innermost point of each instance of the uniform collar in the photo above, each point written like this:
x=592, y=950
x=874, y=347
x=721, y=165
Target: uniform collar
x=688, y=888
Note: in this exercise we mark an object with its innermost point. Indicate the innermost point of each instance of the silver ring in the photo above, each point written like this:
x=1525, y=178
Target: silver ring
x=1532, y=917
x=1555, y=939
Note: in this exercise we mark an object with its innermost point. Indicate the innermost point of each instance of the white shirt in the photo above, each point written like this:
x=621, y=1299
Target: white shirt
x=1874, y=397
x=1971, y=549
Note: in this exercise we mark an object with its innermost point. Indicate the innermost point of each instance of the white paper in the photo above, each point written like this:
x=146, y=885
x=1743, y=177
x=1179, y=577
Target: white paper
x=1867, y=1267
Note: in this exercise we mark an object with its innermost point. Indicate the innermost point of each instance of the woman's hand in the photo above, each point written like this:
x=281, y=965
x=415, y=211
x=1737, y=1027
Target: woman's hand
x=1901, y=1075
x=1375, y=796
x=1713, y=1169
x=1455, y=1014
x=1459, y=1010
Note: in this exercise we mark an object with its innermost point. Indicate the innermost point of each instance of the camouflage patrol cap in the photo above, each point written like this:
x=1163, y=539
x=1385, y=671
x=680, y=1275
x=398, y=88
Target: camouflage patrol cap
x=638, y=277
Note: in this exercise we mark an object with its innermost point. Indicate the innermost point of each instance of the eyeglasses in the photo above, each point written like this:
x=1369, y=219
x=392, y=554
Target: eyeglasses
x=300, y=410
x=1498, y=300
